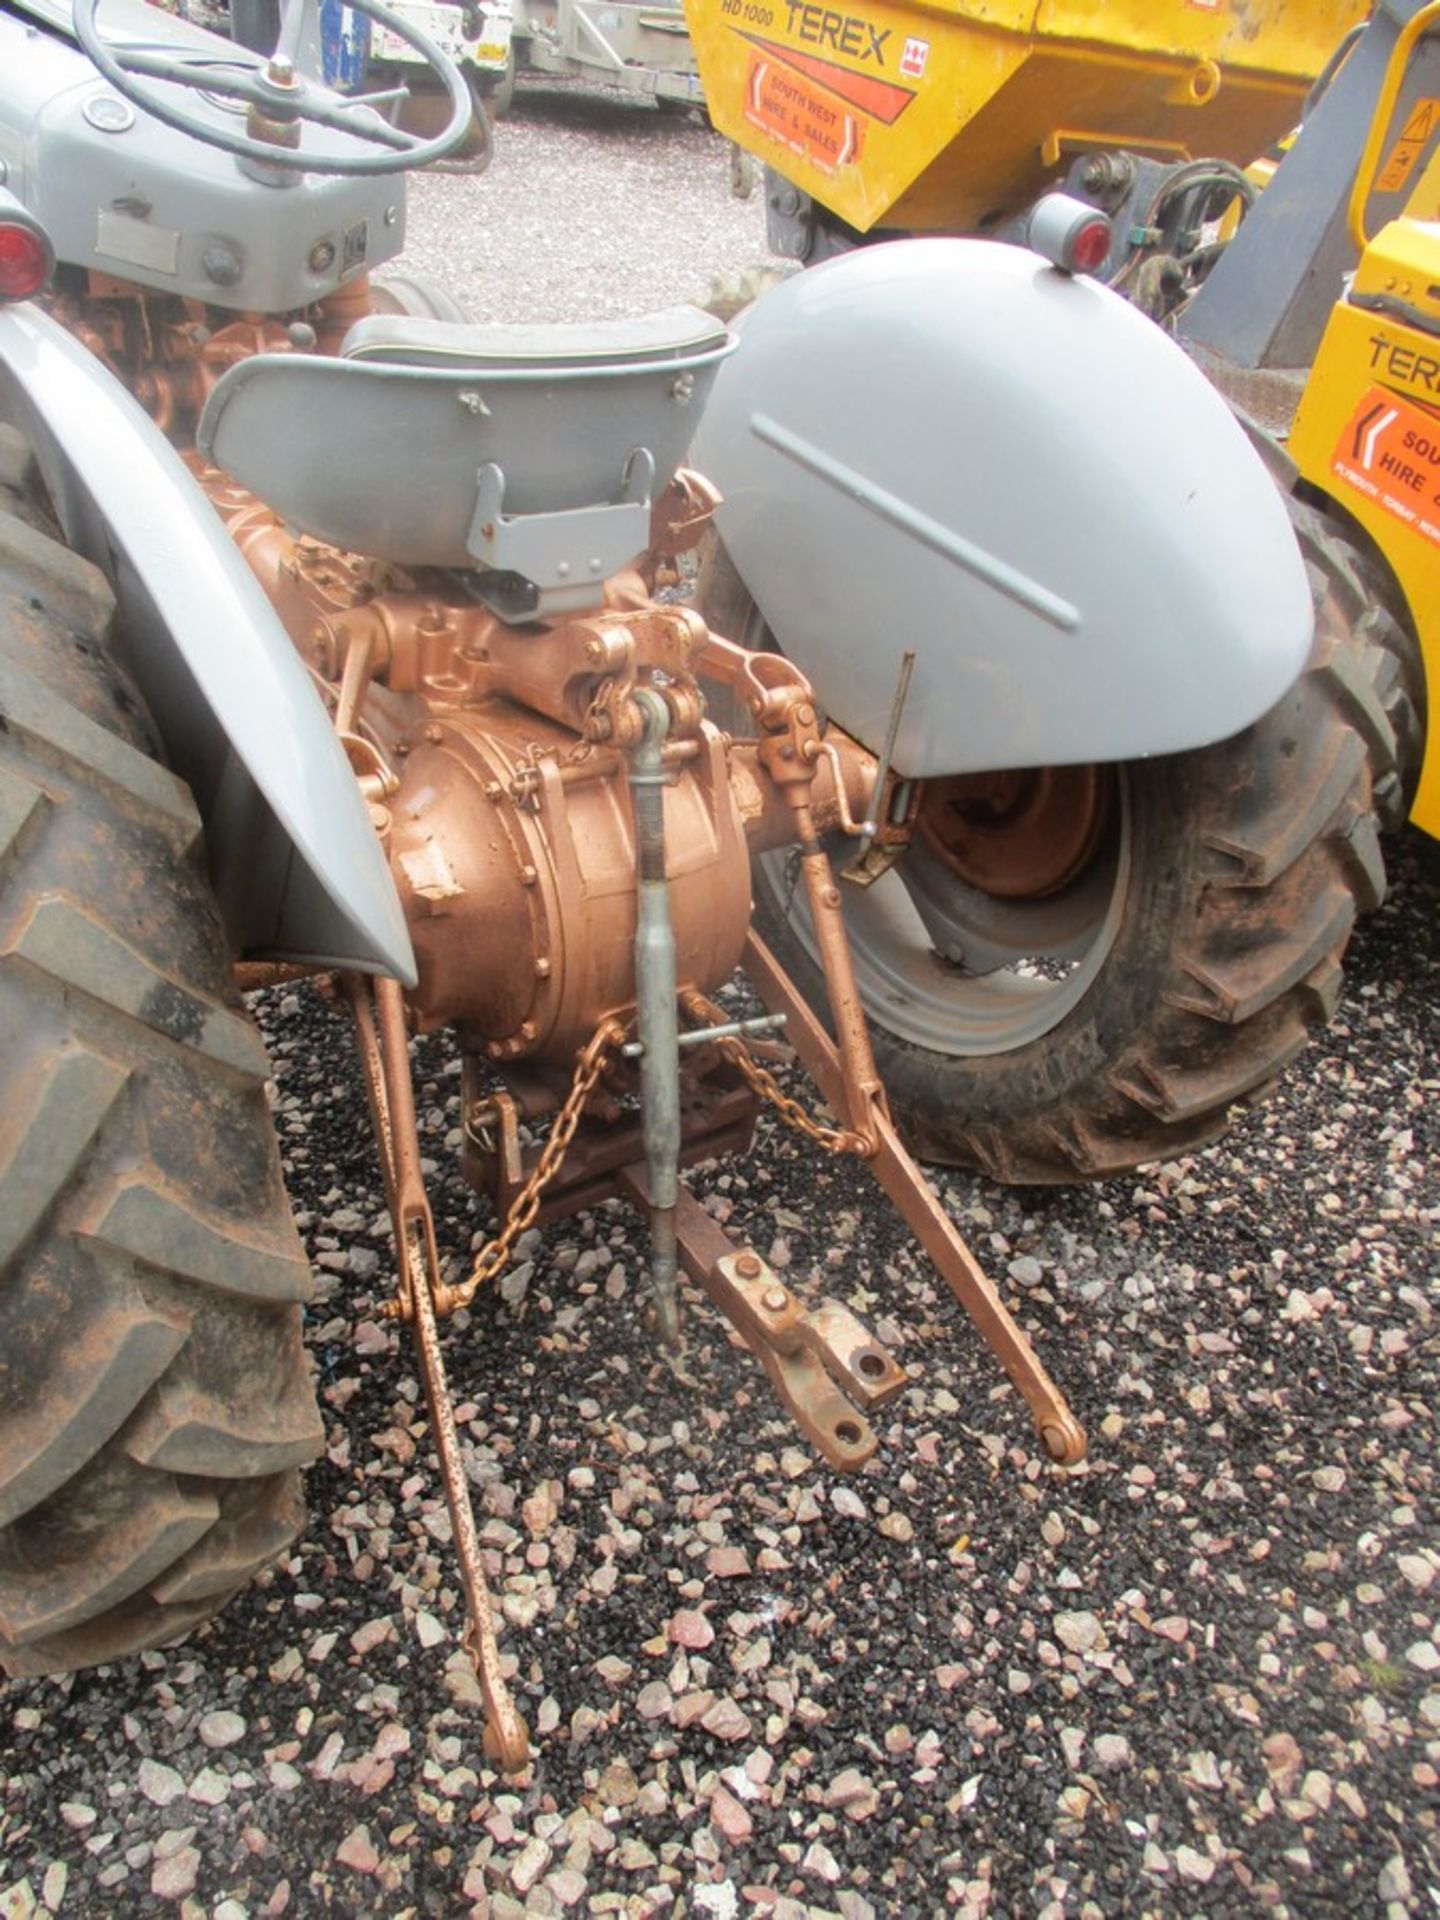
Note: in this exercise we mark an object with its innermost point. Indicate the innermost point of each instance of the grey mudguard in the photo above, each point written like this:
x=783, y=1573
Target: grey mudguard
x=296, y=864
x=950, y=446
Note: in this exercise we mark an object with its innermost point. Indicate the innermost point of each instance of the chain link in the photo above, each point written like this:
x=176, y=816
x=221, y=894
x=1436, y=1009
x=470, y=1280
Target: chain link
x=767, y=1087
x=589, y=1065
x=524, y=785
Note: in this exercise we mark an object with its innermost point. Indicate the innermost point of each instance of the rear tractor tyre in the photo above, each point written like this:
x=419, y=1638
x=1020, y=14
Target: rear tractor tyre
x=1387, y=702
x=1075, y=971
x=154, y=1396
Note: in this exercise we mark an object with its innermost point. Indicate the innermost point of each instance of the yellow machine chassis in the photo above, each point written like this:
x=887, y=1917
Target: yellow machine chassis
x=925, y=116
x=1368, y=434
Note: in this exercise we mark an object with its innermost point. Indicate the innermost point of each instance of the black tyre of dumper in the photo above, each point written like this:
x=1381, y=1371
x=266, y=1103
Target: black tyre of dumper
x=154, y=1396
x=426, y=113
x=1220, y=897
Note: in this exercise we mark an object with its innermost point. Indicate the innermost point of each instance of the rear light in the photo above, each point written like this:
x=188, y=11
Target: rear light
x=1090, y=245
x=26, y=258
x=1070, y=233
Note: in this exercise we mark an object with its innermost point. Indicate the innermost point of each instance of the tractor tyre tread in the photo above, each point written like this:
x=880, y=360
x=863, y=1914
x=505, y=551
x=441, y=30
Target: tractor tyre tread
x=1385, y=665
x=154, y=1395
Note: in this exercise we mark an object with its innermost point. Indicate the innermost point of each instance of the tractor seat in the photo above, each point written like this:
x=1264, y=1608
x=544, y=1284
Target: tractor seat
x=532, y=449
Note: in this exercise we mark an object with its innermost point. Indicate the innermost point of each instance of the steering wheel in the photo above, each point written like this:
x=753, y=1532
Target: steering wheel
x=280, y=97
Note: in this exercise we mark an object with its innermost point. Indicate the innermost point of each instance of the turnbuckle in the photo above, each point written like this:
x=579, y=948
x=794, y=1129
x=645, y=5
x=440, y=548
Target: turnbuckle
x=656, y=1012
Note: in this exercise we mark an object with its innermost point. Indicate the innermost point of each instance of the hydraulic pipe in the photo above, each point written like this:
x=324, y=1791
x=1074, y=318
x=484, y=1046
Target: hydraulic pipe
x=657, y=1013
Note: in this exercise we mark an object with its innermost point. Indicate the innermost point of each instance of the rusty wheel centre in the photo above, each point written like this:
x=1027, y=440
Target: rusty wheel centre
x=1021, y=835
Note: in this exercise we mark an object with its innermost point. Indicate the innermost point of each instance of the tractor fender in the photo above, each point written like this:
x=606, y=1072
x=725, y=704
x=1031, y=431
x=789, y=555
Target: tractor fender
x=952, y=447
x=297, y=868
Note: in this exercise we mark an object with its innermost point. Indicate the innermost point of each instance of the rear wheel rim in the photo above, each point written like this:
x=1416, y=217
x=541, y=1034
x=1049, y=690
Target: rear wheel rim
x=1021, y=964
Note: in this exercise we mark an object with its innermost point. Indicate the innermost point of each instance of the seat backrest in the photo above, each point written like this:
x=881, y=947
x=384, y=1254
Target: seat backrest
x=382, y=450
x=672, y=337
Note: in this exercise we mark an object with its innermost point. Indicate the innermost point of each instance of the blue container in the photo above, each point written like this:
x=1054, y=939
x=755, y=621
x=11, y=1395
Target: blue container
x=344, y=44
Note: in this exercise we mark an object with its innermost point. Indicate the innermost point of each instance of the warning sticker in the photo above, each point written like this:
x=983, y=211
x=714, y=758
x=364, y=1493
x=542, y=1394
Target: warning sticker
x=1414, y=136
x=1390, y=452
x=913, y=58
x=783, y=104
x=878, y=99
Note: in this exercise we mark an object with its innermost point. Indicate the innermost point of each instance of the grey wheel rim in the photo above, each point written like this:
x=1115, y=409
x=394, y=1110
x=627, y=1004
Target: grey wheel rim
x=1032, y=963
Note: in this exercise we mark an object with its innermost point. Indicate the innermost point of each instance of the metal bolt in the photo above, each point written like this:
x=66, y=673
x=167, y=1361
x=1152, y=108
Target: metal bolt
x=433, y=734
x=748, y=1266
x=542, y=967
x=775, y=1299
x=525, y=1032
x=528, y=876
x=222, y=264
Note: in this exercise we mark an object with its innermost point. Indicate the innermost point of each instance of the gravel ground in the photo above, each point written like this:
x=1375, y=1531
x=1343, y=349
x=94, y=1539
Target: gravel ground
x=596, y=205
x=1198, y=1676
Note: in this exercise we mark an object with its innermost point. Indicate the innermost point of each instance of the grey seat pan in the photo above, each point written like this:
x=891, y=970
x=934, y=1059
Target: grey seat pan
x=676, y=333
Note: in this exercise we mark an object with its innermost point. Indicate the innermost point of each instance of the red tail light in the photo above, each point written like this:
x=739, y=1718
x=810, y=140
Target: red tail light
x=1070, y=233
x=26, y=259
x=1090, y=245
